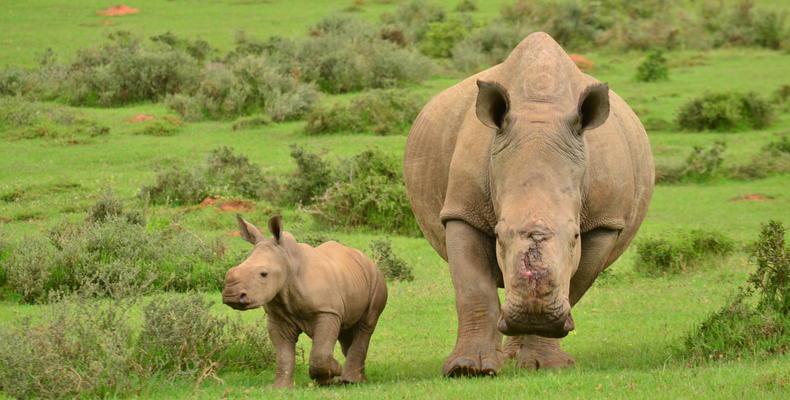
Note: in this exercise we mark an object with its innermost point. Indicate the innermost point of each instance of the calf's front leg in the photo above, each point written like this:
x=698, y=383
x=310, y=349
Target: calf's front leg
x=323, y=366
x=283, y=337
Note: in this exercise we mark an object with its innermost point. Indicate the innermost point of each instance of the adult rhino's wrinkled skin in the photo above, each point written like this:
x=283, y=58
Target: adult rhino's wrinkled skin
x=531, y=176
x=331, y=292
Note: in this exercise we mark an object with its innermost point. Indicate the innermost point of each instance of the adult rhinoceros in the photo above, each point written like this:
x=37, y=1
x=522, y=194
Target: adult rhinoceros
x=531, y=176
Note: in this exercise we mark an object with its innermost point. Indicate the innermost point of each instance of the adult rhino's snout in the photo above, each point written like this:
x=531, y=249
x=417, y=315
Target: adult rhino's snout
x=542, y=325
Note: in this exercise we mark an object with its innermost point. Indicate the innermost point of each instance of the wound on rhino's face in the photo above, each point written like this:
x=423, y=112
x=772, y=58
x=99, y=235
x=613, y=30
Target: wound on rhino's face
x=259, y=278
x=537, y=169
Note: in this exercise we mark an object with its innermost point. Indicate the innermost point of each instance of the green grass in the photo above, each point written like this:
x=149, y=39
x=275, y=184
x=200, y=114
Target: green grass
x=628, y=327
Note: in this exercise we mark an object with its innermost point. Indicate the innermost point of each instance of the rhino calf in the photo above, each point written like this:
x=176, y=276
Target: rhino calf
x=331, y=292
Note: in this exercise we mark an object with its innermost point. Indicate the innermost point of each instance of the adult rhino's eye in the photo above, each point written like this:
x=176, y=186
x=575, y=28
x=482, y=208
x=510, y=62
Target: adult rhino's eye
x=264, y=274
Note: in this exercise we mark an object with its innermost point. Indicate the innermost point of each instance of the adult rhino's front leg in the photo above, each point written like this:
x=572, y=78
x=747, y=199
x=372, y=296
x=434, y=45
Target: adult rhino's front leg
x=478, y=345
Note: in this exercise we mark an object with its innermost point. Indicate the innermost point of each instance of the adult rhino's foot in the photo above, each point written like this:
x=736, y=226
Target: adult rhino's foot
x=538, y=352
x=473, y=361
x=324, y=372
x=349, y=377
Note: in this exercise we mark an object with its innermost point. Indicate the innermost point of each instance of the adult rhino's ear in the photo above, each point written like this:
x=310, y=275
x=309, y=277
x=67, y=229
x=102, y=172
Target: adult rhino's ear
x=276, y=227
x=493, y=103
x=593, y=106
x=248, y=231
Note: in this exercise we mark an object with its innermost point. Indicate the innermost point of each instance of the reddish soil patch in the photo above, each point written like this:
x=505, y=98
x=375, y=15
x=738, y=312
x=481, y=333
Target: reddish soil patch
x=582, y=62
x=4, y=219
x=140, y=118
x=236, y=205
x=234, y=233
x=118, y=10
x=106, y=22
x=752, y=197
x=227, y=205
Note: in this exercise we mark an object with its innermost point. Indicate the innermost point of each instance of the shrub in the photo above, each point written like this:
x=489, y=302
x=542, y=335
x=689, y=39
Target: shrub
x=486, y=47
x=199, y=49
x=742, y=24
x=112, y=254
x=653, y=68
x=700, y=165
x=393, y=267
x=368, y=192
x=383, y=112
x=165, y=126
x=441, y=37
x=124, y=70
x=82, y=349
x=223, y=174
x=725, y=111
x=774, y=158
x=252, y=122
x=414, y=19
x=315, y=239
x=466, y=6
x=312, y=177
x=571, y=23
x=757, y=318
x=251, y=84
x=20, y=119
x=347, y=54
x=657, y=256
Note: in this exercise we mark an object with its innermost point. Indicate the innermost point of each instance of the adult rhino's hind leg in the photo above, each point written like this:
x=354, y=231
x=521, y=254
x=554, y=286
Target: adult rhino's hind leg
x=471, y=257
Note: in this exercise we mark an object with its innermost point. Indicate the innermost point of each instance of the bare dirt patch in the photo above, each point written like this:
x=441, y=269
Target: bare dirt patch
x=227, y=205
x=234, y=234
x=583, y=62
x=118, y=10
x=752, y=197
x=140, y=118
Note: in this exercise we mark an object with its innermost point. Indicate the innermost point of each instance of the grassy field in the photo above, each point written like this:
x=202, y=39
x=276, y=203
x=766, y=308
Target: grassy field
x=629, y=327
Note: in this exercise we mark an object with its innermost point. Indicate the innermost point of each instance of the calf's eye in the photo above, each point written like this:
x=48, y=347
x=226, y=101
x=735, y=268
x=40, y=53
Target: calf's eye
x=264, y=274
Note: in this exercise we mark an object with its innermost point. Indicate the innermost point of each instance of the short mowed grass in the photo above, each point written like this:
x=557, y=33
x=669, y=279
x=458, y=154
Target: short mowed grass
x=630, y=328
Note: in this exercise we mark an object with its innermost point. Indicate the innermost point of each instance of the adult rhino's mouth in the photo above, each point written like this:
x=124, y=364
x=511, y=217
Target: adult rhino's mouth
x=547, y=326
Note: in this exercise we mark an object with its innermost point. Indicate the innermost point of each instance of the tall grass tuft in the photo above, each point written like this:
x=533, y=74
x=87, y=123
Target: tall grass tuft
x=684, y=252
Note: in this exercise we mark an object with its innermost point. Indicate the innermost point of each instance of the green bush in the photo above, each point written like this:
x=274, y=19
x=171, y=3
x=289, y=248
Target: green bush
x=571, y=23
x=223, y=174
x=774, y=158
x=98, y=349
x=252, y=122
x=413, y=19
x=701, y=164
x=165, y=126
x=198, y=49
x=347, y=54
x=312, y=177
x=383, y=112
x=757, y=318
x=441, y=37
x=251, y=84
x=125, y=70
x=686, y=251
x=20, y=119
x=725, y=111
x=486, y=47
x=112, y=254
x=368, y=192
x=740, y=23
x=466, y=6
x=393, y=267
x=653, y=68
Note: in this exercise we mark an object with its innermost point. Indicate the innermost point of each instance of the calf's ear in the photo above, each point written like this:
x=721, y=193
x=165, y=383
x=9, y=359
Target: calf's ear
x=248, y=231
x=276, y=227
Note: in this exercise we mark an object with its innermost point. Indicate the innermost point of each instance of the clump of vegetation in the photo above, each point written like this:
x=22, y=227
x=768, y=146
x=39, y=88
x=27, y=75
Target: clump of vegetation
x=740, y=23
x=199, y=49
x=686, y=251
x=571, y=23
x=700, y=165
x=99, y=350
x=413, y=19
x=774, y=158
x=757, y=318
x=653, y=68
x=466, y=6
x=315, y=239
x=252, y=122
x=312, y=177
x=485, y=47
x=20, y=119
x=383, y=112
x=725, y=111
x=224, y=174
x=441, y=37
x=165, y=126
x=393, y=267
x=365, y=190
x=112, y=253
x=251, y=84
